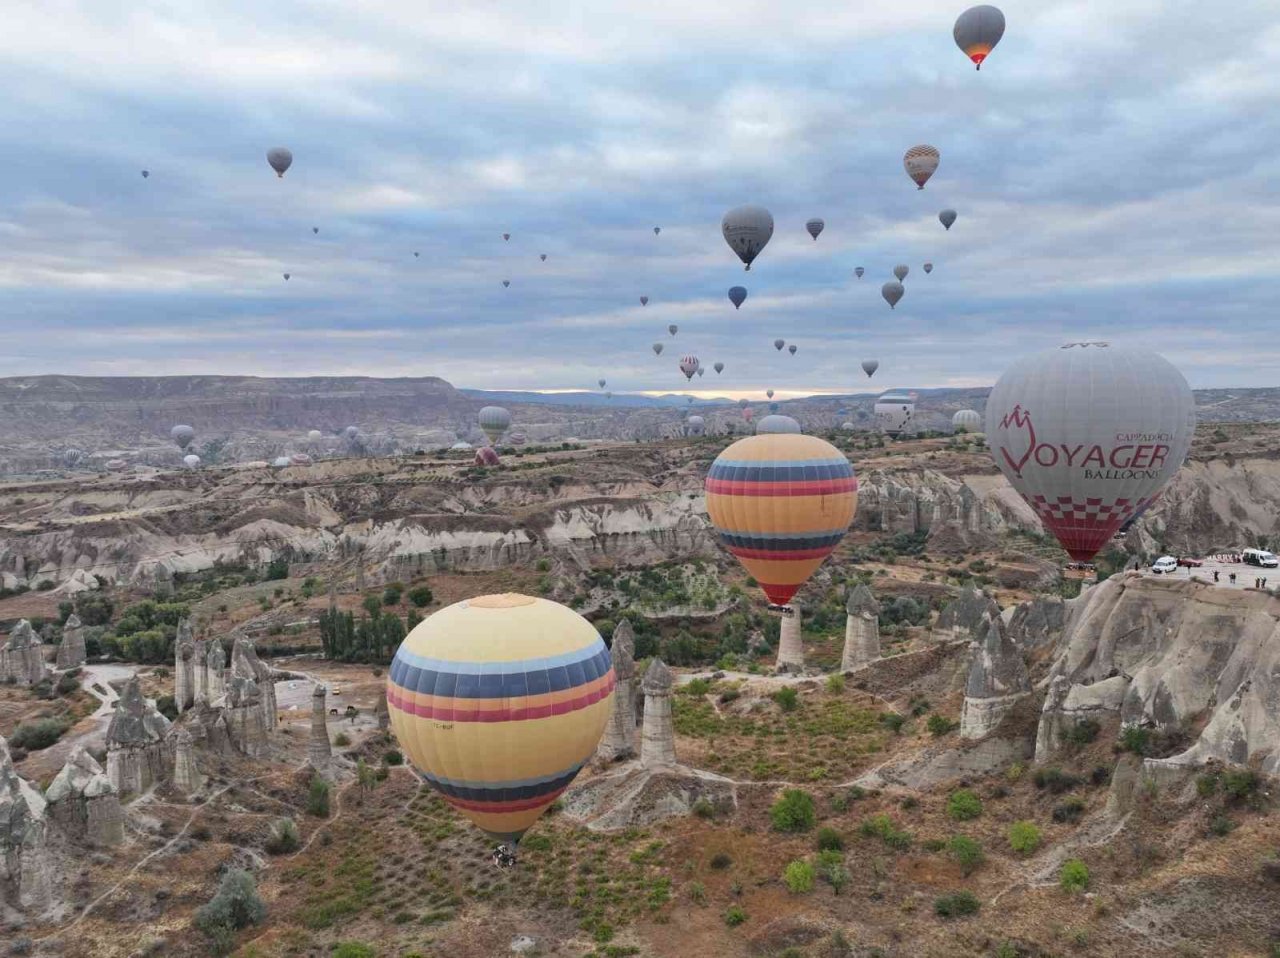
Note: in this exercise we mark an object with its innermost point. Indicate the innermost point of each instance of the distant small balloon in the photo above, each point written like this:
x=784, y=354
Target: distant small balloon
x=542, y=256
x=701, y=371
x=506, y=283
x=608, y=395
x=815, y=226
x=644, y=300
x=869, y=366
x=947, y=217
x=778, y=344
x=145, y=174
x=506, y=236
x=286, y=277
x=773, y=407
x=901, y=271
x=792, y=349
x=673, y=329
x=600, y=382
x=920, y=163
x=718, y=367
x=280, y=159
x=315, y=229
x=858, y=271
x=769, y=393
x=415, y=254
x=657, y=349
x=928, y=267
x=892, y=292
x=737, y=296
x=657, y=230
x=743, y=403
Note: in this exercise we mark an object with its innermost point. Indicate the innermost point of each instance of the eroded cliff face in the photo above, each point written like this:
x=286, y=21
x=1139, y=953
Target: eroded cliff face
x=1219, y=505
x=1175, y=653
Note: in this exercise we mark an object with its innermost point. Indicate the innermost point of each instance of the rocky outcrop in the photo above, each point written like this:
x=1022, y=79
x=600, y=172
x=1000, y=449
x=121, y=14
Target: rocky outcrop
x=21, y=659
x=215, y=664
x=1067, y=705
x=966, y=616
x=245, y=664
x=619, y=739
x=997, y=680
x=184, y=667
x=1035, y=624
x=635, y=796
x=26, y=870
x=84, y=803
x=186, y=774
x=71, y=652
x=1183, y=649
x=861, y=629
x=657, y=738
x=136, y=753
x=381, y=711
x=790, y=642
x=242, y=714
x=319, y=749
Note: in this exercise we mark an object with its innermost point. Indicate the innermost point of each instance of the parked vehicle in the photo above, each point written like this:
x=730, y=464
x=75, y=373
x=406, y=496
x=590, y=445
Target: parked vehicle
x=1261, y=557
x=1165, y=564
x=1189, y=563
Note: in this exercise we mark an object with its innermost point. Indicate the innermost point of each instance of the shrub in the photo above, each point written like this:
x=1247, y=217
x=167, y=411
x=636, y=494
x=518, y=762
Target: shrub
x=793, y=812
x=284, y=838
x=788, y=698
x=1055, y=780
x=1069, y=810
x=318, y=798
x=883, y=827
x=719, y=861
x=964, y=805
x=799, y=876
x=829, y=840
x=704, y=809
x=940, y=725
x=277, y=569
x=966, y=853
x=236, y=905
x=1221, y=825
x=835, y=683
x=1206, y=784
x=342, y=740
x=68, y=683
x=167, y=706
x=1082, y=733
x=1240, y=784
x=1074, y=875
x=421, y=596
x=393, y=757
x=391, y=595
x=893, y=721
x=696, y=687
x=354, y=949
x=835, y=875
x=1136, y=739
x=1024, y=837
x=735, y=916
x=37, y=734
x=957, y=905
x=536, y=843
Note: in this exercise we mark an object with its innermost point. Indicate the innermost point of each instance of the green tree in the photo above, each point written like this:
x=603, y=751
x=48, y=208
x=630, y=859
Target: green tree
x=236, y=905
x=421, y=596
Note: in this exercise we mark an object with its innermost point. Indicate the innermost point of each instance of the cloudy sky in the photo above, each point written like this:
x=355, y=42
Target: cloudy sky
x=1114, y=166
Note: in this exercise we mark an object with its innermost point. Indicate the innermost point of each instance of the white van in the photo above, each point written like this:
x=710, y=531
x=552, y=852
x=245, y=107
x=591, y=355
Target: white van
x=1261, y=557
x=1165, y=564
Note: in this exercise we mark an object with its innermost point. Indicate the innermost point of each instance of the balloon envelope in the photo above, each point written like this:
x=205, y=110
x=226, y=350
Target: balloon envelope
x=644, y=300
x=315, y=435
x=792, y=349
x=1089, y=434
x=894, y=411
x=928, y=268
x=777, y=424
x=182, y=435
x=499, y=701
x=778, y=344
x=280, y=159
x=542, y=256
x=869, y=366
x=815, y=226
x=737, y=295
x=657, y=230
x=892, y=292
x=673, y=329
x=769, y=393
x=920, y=163
x=145, y=174
x=967, y=420
x=689, y=366
x=947, y=217
x=901, y=271
x=781, y=503
x=191, y=460
x=977, y=31
x=858, y=271
x=600, y=383
x=718, y=367
x=506, y=283
x=747, y=229
x=657, y=349
x=485, y=456
x=695, y=425
x=494, y=420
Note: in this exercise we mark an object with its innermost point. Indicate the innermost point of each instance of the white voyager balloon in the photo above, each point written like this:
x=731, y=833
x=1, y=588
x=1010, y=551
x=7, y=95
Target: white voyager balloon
x=747, y=229
x=966, y=420
x=777, y=424
x=894, y=411
x=1089, y=434
x=191, y=460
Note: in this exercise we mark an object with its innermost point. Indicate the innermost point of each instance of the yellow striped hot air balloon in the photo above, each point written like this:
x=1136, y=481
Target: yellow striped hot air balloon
x=781, y=503
x=499, y=701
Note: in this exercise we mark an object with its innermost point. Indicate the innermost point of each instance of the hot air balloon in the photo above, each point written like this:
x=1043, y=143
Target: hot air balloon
x=689, y=366
x=781, y=503
x=689, y=400
x=892, y=292
x=701, y=371
x=506, y=236
x=145, y=174
x=815, y=226
x=657, y=230
x=773, y=407
x=485, y=456
x=644, y=300
x=847, y=427
x=351, y=432
x=494, y=420
x=542, y=256
x=901, y=271
x=600, y=382
x=858, y=271
x=415, y=254
x=1089, y=434
x=777, y=424
x=792, y=349
x=920, y=163
x=977, y=31
x=946, y=218
x=280, y=462
x=300, y=459
x=737, y=296
x=718, y=367
x=769, y=393
x=280, y=159
x=747, y=229
x=498, y=701
x=657, y=349
x=695, y=425
x=673, y=329
x=966, y=420
x=894, y=411
x=191, y=460
x=928, y=268
x=316, y=230
x=869, y=366
x=747, y=413
x=778, y=344
x=182, y=435
x=314, y=436
x=506, y=283
x=72, y=457
x=286, y=277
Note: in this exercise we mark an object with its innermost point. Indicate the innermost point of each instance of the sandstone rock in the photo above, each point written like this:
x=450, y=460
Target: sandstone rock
x=619, y=739
x=246, y=665
x=184, y=667
x=966, y=616
x=657, y=740
x=1032, y=625
x=635, y=796
x=21, y=659
x=71, y=652
x=1067, y=704
x=26, y=869
x=790, y=642
x=319, y=749
x=997, y=680
x=186, y=775
x=381, y=712
x=136, y=753
x=242, y=715
x=84, y=803
x=861, y=629
x=215, y=670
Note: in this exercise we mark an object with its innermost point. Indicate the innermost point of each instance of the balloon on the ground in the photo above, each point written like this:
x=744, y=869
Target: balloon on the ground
x=773, y=407
x=280, y=462
x=815, y=226
x=928, y=268
x=894, y=412
x=191, y=460
x=352, y=431
x=494, y=420
x=892, y=292
x=947, y=217
x=689, y=366
x=737, y=296
x=695, y=425
x=718, y=367
x=486, y=456
x=280, y=159
x=920, y=163
x=781, y=503
x=182, y=435
x=977, y=31
x=901, y=271
x=498, y=702
x=777, y=424
x=314, y=435
x=858, y=271
x=747, y=229
x=869, y=366
x=1089, y=434
x=967, y=420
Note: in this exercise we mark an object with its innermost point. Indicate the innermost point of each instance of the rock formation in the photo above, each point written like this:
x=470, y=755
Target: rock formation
x=997, y=680
x=319, y=750
x=245, y=664
x=136, y=753
x=184, y=653
x=657, y=739
x=619, y=739
x=861, y=629
x=381, y=712
x=198, y=669
x=790, y=644
x=186, y=774
x=26, y=879
x=215, y=665
x=1031, y=625
x=21, y=660
x=966, y=616
x=84, y=803
x=71, y=653
x=1067, y=705
x=242, y=714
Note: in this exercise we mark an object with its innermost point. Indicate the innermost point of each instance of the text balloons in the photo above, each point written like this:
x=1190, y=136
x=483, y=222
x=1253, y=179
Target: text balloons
x=747, y=229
